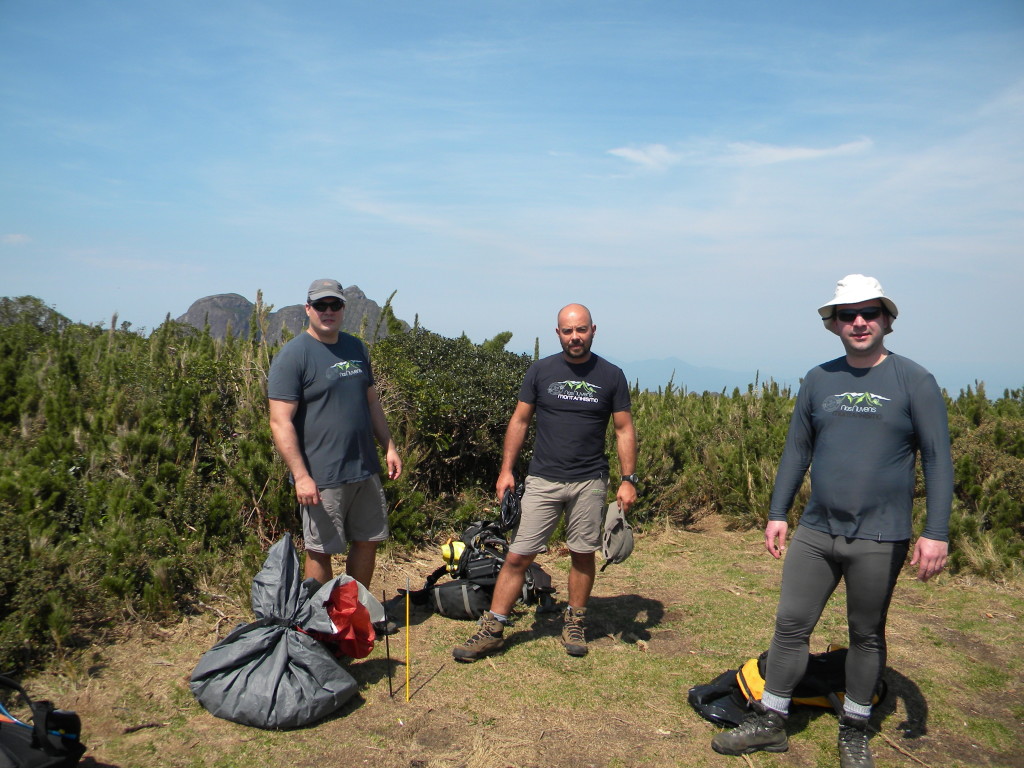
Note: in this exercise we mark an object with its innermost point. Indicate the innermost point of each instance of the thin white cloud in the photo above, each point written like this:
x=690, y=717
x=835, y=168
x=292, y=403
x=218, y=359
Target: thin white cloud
x=754, y=153
x=653, y=157
x=659, y=158
x=16, y=239
x=414, y=219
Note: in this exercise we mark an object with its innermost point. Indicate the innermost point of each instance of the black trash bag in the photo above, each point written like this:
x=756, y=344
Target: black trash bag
x=270, y=673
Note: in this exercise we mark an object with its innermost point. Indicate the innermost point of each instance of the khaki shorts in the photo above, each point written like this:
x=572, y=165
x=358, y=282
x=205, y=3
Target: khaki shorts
x=544, y=501
x=350, y=512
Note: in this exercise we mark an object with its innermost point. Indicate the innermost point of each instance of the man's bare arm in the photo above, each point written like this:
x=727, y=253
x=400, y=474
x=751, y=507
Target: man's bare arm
x=286, y=440
x=625, y=443
x=515, y=436
x=382, y=434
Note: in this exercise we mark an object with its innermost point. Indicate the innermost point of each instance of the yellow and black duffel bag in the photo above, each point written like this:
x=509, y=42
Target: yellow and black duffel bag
x=726, y=699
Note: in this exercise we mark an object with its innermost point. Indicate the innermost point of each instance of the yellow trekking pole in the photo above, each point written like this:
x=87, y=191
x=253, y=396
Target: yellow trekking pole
x=408, y=631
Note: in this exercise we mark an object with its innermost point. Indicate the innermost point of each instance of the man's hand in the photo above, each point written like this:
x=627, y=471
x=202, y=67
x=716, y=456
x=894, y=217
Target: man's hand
x=506, y=482
x=306, y=491
x=394, y=462
x=626, y=496
x=775, y=537
x=929, y=557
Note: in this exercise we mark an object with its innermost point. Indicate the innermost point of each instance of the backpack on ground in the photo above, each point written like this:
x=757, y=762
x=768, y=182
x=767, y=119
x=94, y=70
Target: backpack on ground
x=726, y=699
x=473, y=561
x=52, y=740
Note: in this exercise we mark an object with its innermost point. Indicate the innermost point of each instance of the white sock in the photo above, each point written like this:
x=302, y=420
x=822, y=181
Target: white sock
x=778, y=704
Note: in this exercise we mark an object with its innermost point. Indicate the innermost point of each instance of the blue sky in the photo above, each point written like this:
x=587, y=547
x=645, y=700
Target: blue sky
x=698, y=173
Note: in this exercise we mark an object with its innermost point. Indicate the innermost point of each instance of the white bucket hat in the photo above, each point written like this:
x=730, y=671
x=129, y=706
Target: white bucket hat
x=853, y=289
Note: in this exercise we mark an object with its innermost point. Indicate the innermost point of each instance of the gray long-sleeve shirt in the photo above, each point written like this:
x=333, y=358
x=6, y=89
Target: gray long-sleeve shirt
x=859, y=429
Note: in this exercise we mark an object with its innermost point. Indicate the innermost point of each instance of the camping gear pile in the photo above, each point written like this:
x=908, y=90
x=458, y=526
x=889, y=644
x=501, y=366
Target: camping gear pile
x=283, y=670
x=473, y=561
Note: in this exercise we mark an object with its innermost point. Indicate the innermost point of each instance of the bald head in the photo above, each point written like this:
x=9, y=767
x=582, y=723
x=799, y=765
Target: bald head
x=577, y=311
x=575, y=332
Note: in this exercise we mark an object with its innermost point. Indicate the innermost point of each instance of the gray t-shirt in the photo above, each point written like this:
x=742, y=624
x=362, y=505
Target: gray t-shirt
x=859, y=430
x=330, y=382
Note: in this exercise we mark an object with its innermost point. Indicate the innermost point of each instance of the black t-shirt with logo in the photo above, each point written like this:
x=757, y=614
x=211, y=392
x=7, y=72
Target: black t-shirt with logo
x=573, y=405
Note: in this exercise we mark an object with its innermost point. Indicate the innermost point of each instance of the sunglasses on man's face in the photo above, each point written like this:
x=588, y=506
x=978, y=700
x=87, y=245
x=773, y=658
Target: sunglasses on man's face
x=849, y=315
x=323, y=306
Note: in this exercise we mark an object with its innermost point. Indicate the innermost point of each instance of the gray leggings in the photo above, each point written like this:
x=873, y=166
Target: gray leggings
x=814, y=564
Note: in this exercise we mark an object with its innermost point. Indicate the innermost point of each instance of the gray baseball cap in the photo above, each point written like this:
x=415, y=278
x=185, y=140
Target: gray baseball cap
x=321, y=289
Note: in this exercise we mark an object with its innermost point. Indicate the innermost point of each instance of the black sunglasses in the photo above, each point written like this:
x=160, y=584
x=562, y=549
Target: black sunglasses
x=868, y=313
x=321, y=306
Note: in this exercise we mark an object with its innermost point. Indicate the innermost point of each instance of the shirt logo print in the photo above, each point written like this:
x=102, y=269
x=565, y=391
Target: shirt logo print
x=344, y=368
x=577, y=391
x=854, y=402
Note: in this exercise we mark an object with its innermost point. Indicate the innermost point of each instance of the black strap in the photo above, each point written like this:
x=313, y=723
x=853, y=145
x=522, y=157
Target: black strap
x=40, y=713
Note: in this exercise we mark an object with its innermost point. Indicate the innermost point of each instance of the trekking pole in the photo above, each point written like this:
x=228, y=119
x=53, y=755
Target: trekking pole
x=408, y=631
x=387, y=643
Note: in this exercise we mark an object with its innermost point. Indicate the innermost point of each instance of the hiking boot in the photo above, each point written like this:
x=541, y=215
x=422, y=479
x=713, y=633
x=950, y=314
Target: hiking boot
x=762, y=730
x=574, y=631
x=854, y=751
x=486, y=640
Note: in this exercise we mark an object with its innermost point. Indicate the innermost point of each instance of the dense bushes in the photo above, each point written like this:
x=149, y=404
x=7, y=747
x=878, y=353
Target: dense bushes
x=709, y=452
x=131, y=466
x=448, y=402
x=987, y=526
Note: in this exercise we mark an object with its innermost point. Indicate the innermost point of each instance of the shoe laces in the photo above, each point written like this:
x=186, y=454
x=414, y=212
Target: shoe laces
x=854, y=741
x=575, y=629
x=757, y=721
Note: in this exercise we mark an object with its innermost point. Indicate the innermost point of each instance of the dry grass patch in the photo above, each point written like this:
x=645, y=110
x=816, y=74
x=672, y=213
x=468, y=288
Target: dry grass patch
x=686, y=606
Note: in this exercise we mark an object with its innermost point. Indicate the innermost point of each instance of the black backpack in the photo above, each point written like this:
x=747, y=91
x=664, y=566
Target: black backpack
x=473, y=561
x=52, y=740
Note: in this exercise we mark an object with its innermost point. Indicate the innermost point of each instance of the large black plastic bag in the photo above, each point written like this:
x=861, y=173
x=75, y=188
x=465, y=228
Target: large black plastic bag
x=268, y=674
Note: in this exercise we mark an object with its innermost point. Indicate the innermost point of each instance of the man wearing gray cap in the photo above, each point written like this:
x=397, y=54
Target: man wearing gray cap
x=858, y=423
x=324, y=416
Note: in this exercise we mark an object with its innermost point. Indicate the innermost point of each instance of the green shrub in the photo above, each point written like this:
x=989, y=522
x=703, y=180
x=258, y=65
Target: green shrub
x=448, y=403
x=133, y=468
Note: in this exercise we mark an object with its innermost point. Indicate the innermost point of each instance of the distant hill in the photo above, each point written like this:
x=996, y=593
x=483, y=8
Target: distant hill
x=231, y=309
x=655, y=374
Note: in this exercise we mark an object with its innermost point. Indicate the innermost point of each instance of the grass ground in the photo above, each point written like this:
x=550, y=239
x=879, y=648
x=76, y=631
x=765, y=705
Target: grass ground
x=686, y=606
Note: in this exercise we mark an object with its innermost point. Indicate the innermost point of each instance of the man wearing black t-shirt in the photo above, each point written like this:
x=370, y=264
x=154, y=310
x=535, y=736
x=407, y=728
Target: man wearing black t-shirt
x=573, y=394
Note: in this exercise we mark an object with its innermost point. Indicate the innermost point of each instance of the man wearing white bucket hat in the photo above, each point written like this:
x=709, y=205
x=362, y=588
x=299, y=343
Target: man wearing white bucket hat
x=858, y=423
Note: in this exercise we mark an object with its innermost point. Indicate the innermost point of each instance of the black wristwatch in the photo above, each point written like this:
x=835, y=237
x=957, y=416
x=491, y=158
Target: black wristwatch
x=634, y=478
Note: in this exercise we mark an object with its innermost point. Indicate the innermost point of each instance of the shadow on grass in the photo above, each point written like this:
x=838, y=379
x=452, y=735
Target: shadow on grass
x=898, y=687
x=914, y=703
x=630, y=617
